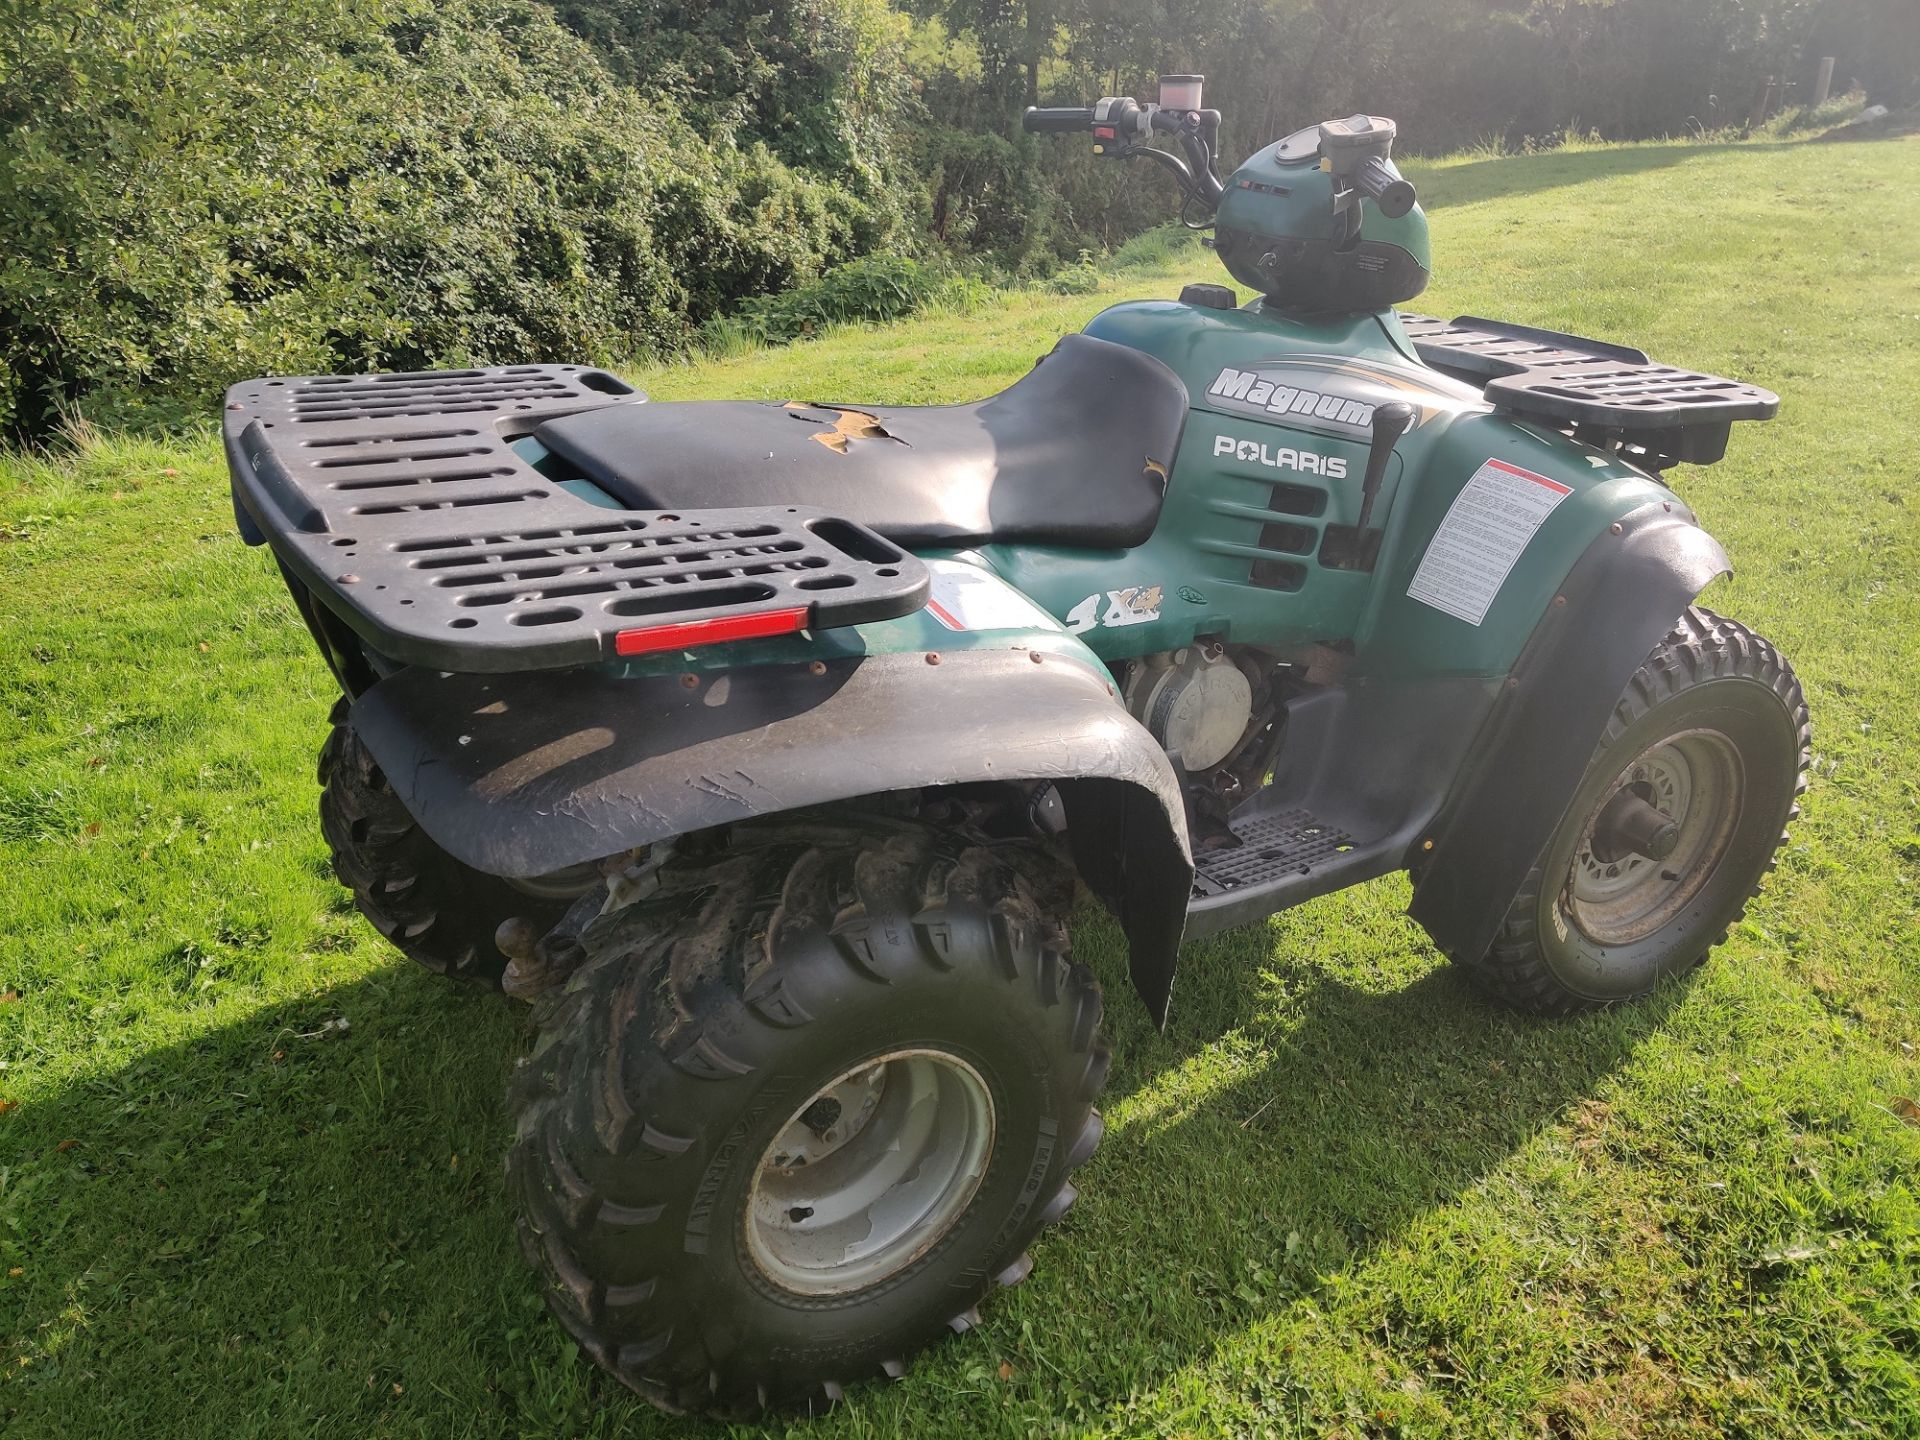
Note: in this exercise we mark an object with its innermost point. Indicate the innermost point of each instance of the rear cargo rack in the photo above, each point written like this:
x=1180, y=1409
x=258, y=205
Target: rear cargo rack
x=399, y=501
x=1607, y=394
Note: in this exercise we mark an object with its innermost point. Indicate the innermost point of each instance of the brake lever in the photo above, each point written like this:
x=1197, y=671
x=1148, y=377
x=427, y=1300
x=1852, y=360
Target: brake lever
x=1189, y=187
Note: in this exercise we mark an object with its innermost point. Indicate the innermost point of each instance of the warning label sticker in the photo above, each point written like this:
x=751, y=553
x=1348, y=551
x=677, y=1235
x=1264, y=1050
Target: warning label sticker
x=1485, y=530
x=966, y=598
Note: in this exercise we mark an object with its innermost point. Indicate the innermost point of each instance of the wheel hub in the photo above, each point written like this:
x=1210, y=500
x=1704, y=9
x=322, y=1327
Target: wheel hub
x=1628, y=825
x=870, y=1173
x=1655, y=836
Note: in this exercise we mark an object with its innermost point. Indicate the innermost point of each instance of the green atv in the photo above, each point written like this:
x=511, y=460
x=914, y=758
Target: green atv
x=764, y=744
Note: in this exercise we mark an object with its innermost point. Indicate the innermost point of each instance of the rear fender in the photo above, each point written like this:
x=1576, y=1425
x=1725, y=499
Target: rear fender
x=1621, y=596
x=525, y=774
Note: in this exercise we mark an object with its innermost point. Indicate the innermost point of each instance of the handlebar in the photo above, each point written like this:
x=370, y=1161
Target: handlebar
x=1056, y=120
x=1394, y=196
x=1122, y=126
x=1355, y=149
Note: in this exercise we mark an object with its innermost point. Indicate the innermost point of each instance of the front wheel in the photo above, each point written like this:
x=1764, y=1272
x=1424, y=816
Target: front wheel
x=1674, y=826
x=803, y=1106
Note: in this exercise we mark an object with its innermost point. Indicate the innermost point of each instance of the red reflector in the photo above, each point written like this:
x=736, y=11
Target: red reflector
x=685, y=634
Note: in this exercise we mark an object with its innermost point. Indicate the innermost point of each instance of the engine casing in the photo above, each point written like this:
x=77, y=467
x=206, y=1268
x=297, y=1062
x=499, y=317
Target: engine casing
x=1195, y=701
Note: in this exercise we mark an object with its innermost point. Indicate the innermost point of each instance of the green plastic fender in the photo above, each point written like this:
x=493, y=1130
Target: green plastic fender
x=1626, y=591
x=528, y=773
x=1400, y=634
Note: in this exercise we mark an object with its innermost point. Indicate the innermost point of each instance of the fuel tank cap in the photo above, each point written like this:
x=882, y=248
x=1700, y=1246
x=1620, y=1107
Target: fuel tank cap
x=1212, y=297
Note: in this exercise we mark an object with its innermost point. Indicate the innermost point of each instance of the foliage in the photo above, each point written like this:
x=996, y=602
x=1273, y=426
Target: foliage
x=822, y=83
x=875, y=288
x=194, y=191
x=1083, y=277
x=1162, y=248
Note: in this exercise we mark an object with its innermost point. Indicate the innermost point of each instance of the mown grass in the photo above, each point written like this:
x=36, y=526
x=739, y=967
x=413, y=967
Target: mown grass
x=249, y=1160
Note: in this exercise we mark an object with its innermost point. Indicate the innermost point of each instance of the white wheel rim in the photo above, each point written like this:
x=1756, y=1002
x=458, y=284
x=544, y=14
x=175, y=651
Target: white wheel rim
x=870, y=1173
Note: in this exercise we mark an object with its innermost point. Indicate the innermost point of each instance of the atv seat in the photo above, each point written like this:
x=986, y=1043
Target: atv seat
x=1074, y=453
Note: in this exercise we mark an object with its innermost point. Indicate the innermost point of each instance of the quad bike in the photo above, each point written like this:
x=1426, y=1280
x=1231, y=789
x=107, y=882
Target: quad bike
x=765, y=742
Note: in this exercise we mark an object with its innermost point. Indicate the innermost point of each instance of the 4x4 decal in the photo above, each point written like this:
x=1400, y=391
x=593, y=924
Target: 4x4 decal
x=1133, y=606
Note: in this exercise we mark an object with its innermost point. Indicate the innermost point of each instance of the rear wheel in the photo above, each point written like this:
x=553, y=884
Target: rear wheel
x=433, y=908
x=1673, y=828
x=803, y=1107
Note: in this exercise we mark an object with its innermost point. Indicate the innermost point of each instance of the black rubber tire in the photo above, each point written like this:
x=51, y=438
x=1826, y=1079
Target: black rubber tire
x=433, y=908
x=704, y=1015
x=1709, y=672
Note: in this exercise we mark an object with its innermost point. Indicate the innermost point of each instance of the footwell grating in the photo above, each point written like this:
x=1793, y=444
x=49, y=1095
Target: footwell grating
x=1291, y=842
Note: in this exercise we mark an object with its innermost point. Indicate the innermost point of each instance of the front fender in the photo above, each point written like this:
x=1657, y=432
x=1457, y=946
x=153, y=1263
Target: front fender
x=523, y=774
x=1621, y=596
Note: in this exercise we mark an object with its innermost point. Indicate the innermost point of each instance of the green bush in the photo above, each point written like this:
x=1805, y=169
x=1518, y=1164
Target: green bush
x=194, y=191
x=822, y=83
x=1083, y=277
x=1158, y=248
x=871, y=289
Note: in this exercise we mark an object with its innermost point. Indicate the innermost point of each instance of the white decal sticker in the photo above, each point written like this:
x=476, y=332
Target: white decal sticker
x=1335, y=394
x=1281, y=457
x=1133, y=606
x=1485, y=530
x=1261, y=392
x=966, y=598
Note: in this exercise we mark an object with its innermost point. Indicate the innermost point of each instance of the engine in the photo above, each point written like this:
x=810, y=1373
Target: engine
x=1196, y=702
x=1216, y=709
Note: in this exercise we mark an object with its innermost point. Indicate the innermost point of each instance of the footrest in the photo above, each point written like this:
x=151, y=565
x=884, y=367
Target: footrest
x=400, y=503
x=1290, y=842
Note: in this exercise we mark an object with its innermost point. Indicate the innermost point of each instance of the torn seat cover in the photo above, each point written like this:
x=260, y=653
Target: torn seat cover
x=1073, y=453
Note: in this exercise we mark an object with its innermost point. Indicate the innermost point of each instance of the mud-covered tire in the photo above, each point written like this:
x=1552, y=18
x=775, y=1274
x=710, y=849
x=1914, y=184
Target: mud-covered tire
x=700, y=1022
x=432, y=907
x=1710, y=677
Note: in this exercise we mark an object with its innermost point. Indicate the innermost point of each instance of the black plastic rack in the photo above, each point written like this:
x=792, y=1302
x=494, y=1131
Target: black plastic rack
x=400, y=502
x=1608, y=394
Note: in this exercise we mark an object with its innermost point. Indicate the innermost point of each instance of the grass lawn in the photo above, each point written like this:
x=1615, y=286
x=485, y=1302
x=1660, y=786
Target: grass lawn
x=250, y=1159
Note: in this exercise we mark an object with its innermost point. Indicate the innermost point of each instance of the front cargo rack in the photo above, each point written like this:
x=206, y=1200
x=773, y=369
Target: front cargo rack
x=1609, y=395
x=401, y=504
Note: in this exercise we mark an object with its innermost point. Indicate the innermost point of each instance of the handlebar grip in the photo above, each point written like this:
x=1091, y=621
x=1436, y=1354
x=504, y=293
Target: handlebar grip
x=1394, y=196
x=1056, y=120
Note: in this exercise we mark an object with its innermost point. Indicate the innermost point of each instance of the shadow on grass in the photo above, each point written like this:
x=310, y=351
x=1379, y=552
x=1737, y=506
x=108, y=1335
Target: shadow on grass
x=1345, y=1114
x=290, y=1224
x=1507, y=176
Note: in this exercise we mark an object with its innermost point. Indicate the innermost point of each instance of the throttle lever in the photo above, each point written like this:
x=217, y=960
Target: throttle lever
x=1357, y=151
x=1395, y=196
